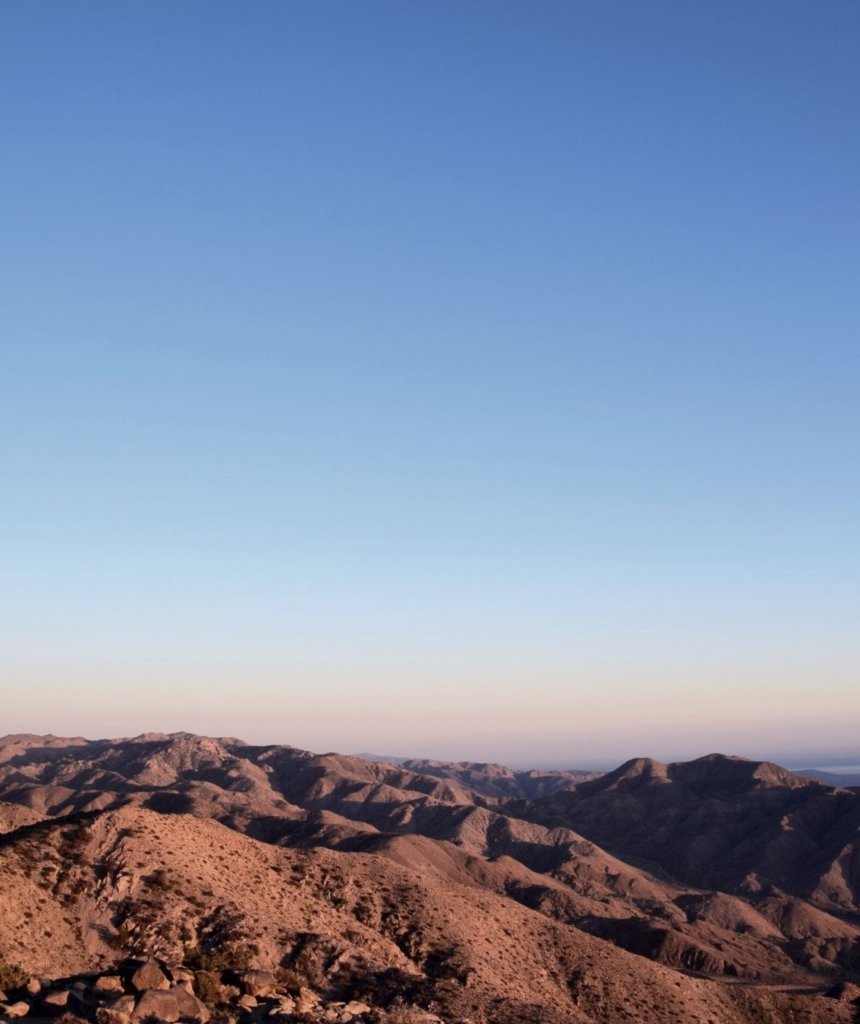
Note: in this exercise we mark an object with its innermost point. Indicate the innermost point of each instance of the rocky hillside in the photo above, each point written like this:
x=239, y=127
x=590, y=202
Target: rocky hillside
x=720, y=890
x=745, y=827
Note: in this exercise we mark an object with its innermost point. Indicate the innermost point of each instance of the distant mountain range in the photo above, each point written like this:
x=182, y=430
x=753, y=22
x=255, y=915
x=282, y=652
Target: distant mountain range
x=846, y=778
x=716, y=890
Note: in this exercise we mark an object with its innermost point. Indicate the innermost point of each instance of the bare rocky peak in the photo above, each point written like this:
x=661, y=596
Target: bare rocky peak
x=724, y=775
x=719, y=775
x=636, y=771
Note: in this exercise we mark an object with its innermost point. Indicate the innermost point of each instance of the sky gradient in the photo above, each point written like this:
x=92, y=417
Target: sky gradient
x=464, y=380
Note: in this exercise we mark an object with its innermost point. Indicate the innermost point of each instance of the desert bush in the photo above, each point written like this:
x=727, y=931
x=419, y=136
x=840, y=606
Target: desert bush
x=133, y=920
x=158, y=879
x=70, y=1018
x=207, y=987
x=222, y=943
x=233, y=956
x=289, y=980
x=74, y=840
x=404, y=1015
x=364, y=910
x=12, y=976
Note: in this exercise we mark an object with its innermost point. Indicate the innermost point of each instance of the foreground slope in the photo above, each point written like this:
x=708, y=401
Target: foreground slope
x=75, y=890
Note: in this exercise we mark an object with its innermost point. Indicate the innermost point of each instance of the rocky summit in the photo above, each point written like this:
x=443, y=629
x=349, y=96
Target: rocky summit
x=185, y=878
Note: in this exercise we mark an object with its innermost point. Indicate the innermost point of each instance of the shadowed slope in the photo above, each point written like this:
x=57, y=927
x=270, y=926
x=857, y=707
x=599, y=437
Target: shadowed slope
x=721, y=822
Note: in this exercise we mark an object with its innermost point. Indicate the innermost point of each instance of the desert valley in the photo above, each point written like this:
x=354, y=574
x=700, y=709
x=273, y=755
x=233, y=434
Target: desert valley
x=178, y=877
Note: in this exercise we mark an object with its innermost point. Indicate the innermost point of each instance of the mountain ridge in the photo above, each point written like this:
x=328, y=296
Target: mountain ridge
x=627, y=860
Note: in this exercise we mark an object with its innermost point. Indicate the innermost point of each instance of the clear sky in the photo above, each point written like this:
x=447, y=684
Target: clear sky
x=455, y=379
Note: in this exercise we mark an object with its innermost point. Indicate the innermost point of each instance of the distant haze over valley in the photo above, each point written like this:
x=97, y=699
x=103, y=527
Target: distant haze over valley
x=539, y=727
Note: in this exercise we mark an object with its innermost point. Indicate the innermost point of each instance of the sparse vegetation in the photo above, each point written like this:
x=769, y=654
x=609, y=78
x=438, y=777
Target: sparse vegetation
x=12, y=976
x=506, y=947
x=158, y=880
x=222, y=943
x=207, y=986
x=70, y=1018
x=404, y=1015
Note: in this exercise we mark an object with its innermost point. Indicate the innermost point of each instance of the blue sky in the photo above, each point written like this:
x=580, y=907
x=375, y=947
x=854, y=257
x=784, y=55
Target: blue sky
x=472, y=380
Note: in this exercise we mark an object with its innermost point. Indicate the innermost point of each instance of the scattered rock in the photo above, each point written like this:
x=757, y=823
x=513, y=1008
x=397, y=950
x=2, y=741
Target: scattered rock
x=19, y=1009
x=56, y=1000
x=125, y=1004
x=148, y=977
x=258, y=983
x=109, y=983
x=157, y=1003
x=190, y=1007
x=307, y=1001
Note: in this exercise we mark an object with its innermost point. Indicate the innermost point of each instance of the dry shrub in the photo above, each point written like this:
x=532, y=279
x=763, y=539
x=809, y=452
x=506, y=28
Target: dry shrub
x=12, y=976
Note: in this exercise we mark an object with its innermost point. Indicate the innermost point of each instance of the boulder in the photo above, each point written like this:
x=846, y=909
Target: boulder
x=148, y=977
x=56, y=1001
x=258, y=983
x=33, y=987
x=19, y=1009
x=190, y=1007
x=307, y=1001
x=125, y=1004
x=157, y=1003
x=248, y=1002
x=108, y=983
